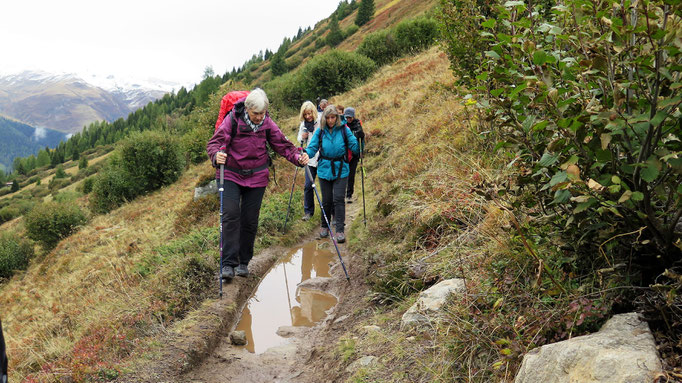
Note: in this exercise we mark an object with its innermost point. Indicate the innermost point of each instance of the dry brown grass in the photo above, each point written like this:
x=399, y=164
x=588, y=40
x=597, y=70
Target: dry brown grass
x=88, y=281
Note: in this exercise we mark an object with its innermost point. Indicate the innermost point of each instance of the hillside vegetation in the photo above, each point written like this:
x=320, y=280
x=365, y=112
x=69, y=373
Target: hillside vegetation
x=493, y=158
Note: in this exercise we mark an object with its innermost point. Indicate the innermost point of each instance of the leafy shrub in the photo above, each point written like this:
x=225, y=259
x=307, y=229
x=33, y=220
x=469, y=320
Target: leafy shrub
x=112, y=187
x=350, y=31
x=194, y=144
x=88, y=185
x=595, y=150
x=153, y=159
x=60, y=173
x=67, y=196
x=8, y=213
x=380, y=46
x=40, y=191
x=332, y=73
x=15, y=254
x=50, y=222
x=415, y=35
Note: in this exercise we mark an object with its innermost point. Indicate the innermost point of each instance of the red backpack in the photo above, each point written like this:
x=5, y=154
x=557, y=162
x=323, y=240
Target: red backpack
x=227, y=103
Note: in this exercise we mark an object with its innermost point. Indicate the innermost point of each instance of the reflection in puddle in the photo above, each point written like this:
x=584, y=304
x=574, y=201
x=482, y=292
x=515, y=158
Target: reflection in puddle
x=277, y=302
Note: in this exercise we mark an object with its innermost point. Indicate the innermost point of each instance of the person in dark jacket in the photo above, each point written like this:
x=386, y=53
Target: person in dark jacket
x=246, y=173
x=355, y=126
x=3, y=357
x=332, y=167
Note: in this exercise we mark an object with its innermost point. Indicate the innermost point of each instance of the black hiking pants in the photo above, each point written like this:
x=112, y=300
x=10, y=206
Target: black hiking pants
x=308, y=192
x=3, y=358
x=333, y=193
x=352, y=166
x=241, y=207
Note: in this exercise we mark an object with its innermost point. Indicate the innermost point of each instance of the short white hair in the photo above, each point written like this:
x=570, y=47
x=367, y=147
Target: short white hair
x=257, y=101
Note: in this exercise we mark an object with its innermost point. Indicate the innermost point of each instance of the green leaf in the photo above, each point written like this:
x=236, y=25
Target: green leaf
x=548, y=159
x=584, y=206
x=482, y=77
x=539, y=57
x=637, y=196
x=558, y=178
x=650, y=172
x=561, y=197
x=540, y=126
x=516, y=90
x=492, y=54
x=604, y=155
x=490, y=23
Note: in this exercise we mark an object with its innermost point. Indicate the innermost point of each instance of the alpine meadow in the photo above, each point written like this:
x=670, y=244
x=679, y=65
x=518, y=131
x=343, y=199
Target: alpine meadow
x=517, y=214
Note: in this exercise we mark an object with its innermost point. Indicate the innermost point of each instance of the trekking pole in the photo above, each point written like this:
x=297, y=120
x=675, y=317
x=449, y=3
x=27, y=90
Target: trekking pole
x=291, y=195
x=221, y=188
x=362, y=176
x=331, y=233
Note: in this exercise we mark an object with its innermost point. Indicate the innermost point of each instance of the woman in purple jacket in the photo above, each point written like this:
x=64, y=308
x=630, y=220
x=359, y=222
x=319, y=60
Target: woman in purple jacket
x=246, y=174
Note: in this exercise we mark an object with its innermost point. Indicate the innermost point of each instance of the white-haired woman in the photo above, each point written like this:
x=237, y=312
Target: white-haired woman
x=309, y=123
x=333, y=140
x=239, y=144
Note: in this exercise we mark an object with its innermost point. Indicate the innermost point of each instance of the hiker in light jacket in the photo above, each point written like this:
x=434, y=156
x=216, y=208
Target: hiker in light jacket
x=246, y=174
x=332, y=167
x=355, y=126
x=309, y=124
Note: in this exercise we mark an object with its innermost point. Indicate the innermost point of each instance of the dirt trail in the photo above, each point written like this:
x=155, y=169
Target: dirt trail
x=295, y=361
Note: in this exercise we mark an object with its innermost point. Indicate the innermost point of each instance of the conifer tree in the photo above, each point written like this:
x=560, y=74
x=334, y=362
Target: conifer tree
x=277, y=65
x=335, y=35
x=365, y=12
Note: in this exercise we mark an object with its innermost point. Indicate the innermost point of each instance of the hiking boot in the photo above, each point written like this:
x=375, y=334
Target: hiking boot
x=306, y=217
x=242, y=271
x=349, y=199
x=228, y=272
x=340, y=237
x=324, y=233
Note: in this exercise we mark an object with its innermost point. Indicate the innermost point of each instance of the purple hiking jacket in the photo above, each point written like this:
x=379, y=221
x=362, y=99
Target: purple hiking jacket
x=248, y=150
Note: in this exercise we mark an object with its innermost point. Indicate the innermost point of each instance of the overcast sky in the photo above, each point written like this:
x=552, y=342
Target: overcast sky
x=172, y=40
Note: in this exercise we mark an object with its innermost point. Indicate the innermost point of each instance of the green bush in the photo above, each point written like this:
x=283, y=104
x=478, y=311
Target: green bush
x=588, y=108
x=88, y=185
x=350, y=31
x=60, y=173
x=111, y=188
x=194, y=144
x=50, y=222
x=415, y=35
x=153, y=159
x=8, y=213
x=380, y=46
x=332, y=73
x=15, y=254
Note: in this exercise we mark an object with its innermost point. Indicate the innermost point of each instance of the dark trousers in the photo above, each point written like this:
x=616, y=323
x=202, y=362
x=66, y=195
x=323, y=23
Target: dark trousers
x=3, y=358
x=333, y=199
x=308, y=193
x=241, y=207
x=353, y=166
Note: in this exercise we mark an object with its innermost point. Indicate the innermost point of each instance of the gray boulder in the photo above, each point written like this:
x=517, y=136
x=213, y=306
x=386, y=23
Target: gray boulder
x=202, y=191
x=623, y=351
x=430, y=302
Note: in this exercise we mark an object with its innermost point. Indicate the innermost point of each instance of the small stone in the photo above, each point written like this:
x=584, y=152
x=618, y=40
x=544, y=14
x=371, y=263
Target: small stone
x=371, y=328
x=365, y=361
x=341, y=318
x=238, y=338
x=410, y=339
x=210, y=188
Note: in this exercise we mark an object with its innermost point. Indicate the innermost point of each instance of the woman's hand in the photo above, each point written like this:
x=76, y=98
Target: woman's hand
x=220, y=158
x=303, y=159
x=305, y=135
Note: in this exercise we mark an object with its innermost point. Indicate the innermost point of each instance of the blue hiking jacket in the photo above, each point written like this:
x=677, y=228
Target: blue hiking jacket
x=332, y=147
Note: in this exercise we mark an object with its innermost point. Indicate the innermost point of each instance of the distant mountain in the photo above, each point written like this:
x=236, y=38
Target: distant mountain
x=67, y=102
x=21, y=140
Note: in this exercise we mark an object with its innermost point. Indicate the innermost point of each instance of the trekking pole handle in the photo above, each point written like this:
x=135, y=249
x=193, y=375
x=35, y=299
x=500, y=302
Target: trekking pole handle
x=222, y=169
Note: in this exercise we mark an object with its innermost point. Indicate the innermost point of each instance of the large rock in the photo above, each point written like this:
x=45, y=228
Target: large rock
x=623, y=351
x=428, y=306
x=202, y=191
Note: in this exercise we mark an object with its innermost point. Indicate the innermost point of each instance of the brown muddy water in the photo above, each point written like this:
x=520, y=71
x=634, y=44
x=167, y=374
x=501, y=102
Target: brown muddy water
x=278, y=302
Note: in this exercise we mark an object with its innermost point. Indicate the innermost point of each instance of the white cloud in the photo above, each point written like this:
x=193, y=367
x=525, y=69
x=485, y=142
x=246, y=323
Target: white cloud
x=172, y=40
x=39, y=134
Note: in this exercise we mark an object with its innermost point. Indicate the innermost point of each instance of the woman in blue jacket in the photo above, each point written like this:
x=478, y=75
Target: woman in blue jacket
x=333, y=140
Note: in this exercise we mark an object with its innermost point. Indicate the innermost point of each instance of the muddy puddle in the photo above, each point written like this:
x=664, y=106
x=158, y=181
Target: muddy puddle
x=278, y=302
